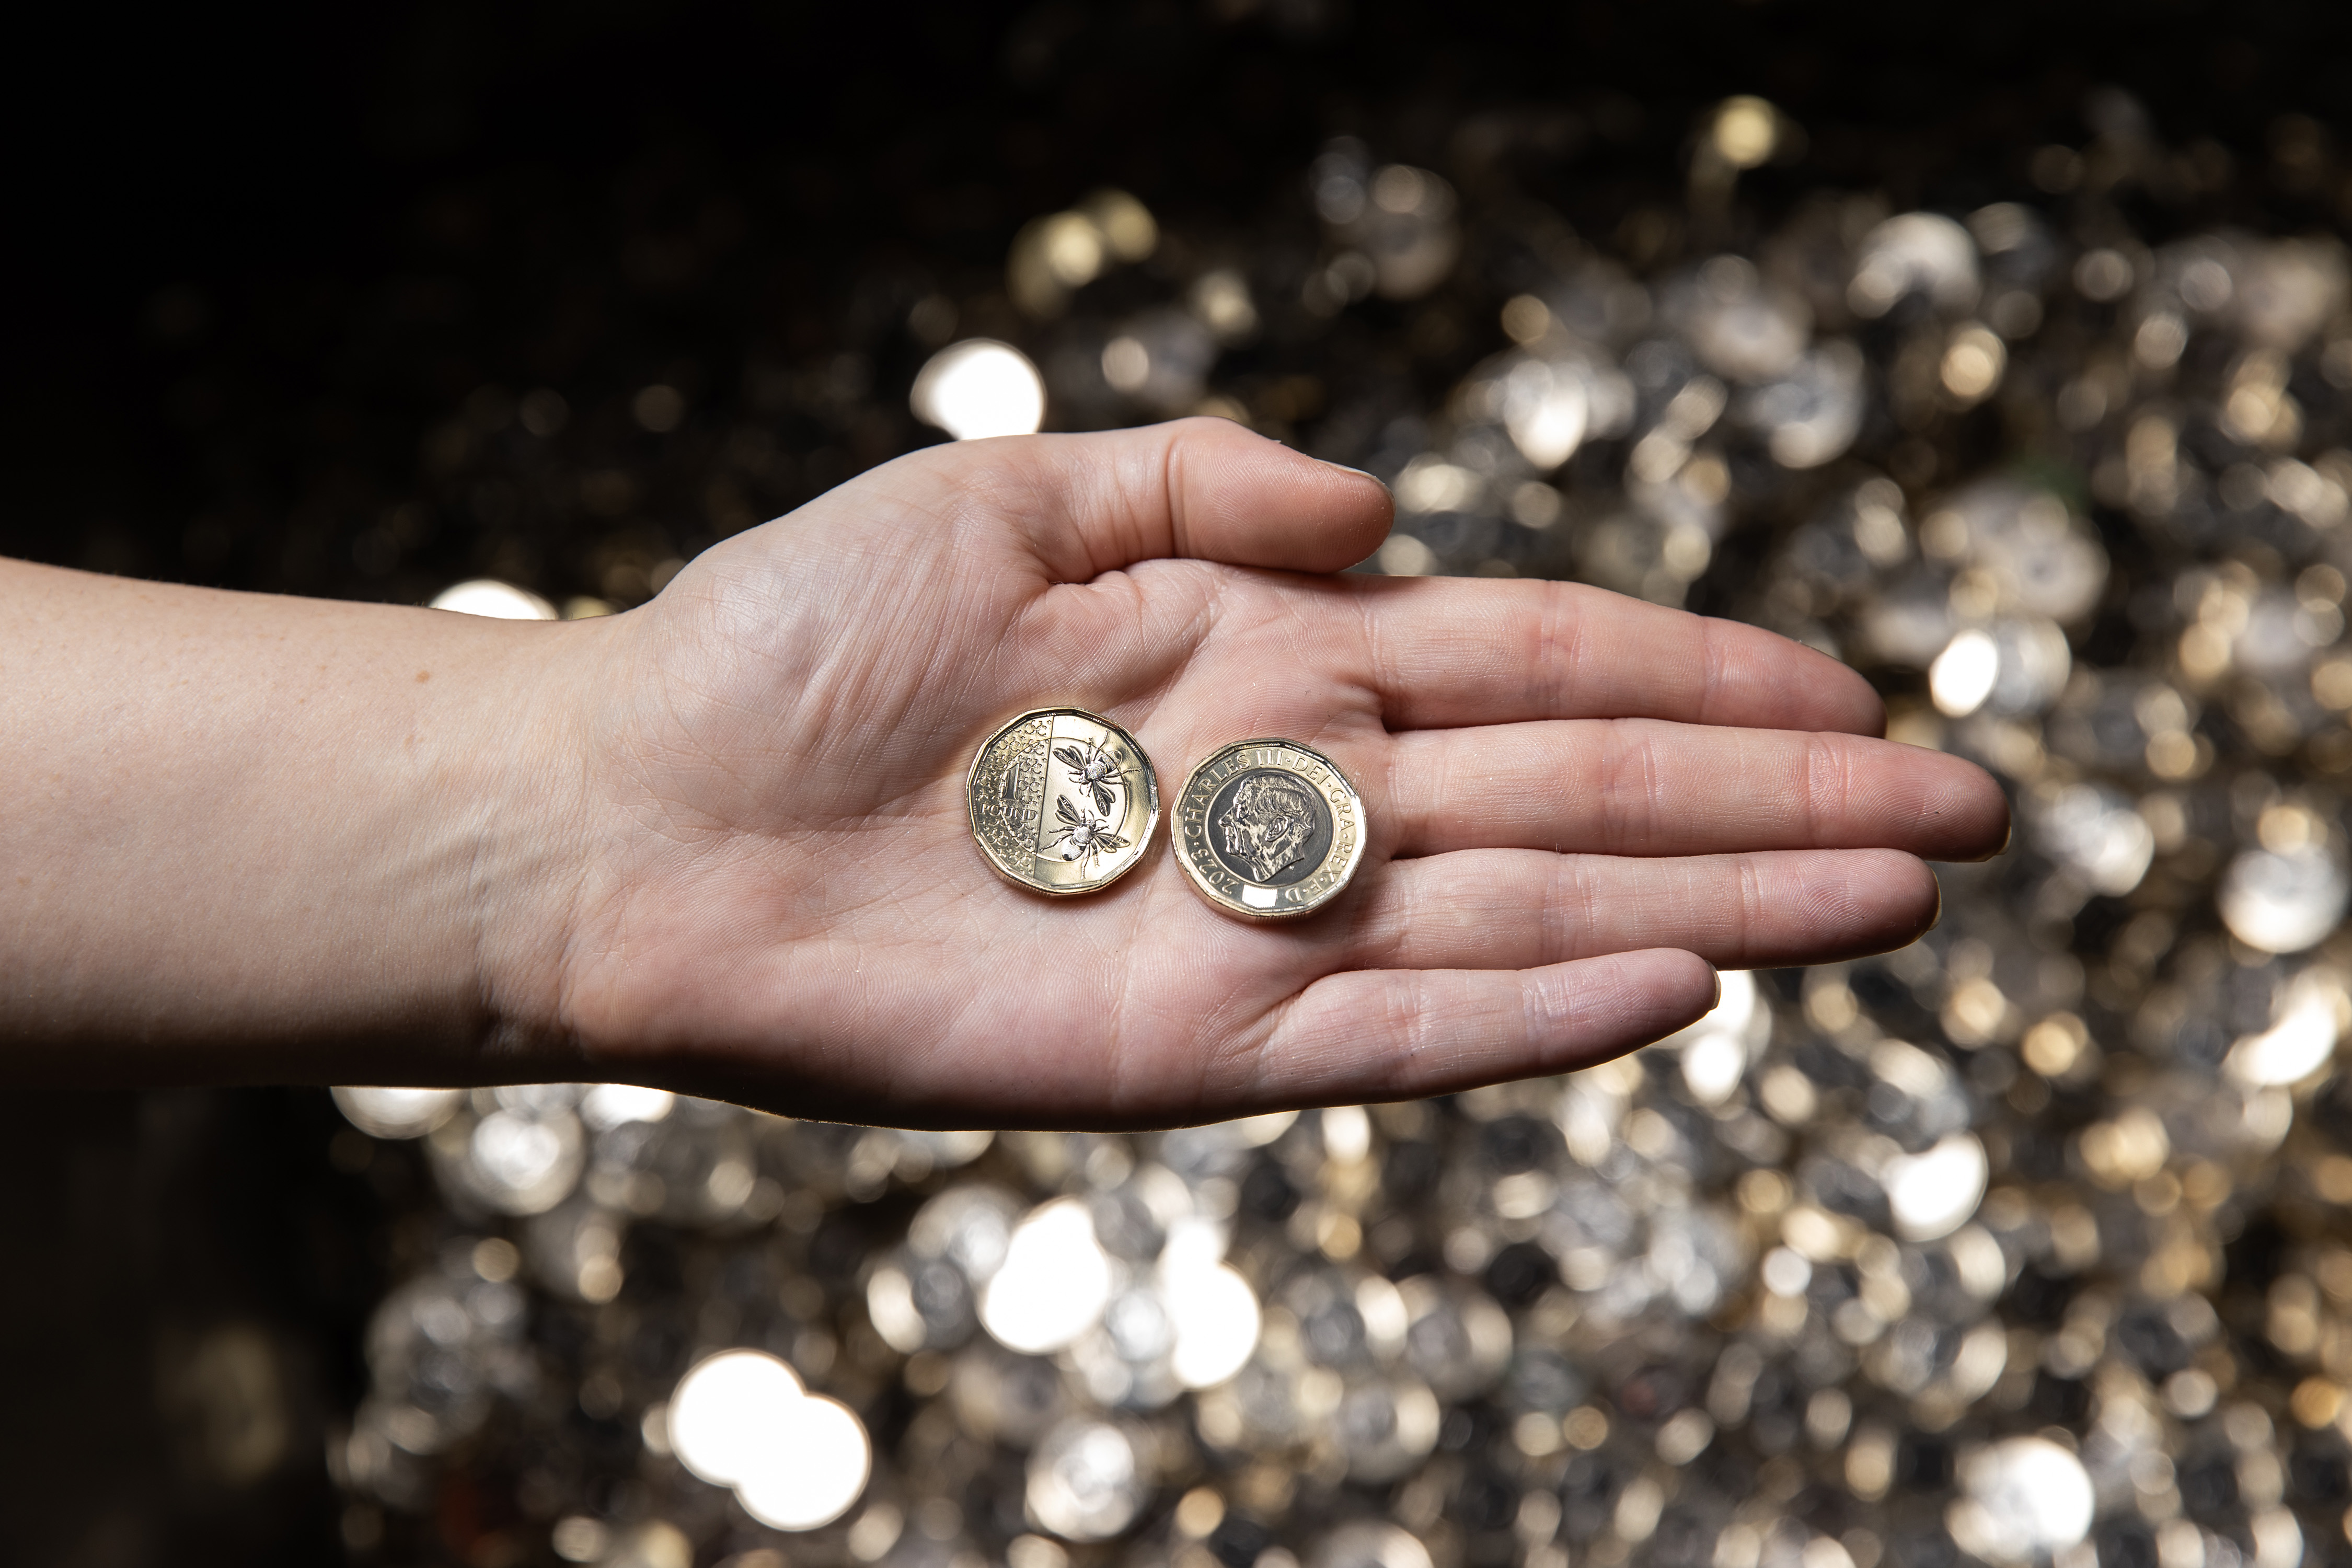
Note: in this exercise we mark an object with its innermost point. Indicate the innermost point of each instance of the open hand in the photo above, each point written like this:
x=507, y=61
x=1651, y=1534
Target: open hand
x=1577, y=802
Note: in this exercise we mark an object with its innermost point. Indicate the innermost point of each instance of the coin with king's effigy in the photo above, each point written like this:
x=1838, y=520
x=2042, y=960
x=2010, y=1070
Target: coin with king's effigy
x=1062, y=801
x=1269, y=828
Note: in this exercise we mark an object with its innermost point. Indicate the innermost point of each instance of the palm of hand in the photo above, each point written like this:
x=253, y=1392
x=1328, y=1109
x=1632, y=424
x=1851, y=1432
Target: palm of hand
x=784, y=904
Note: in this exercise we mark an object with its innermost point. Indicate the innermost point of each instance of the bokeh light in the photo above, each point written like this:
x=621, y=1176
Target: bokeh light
x=398, y=1112
x=1963, y=675
x=741, y=1419
x=1085, y=1481
x=499, y=601
x=813, y=1468
x=2027, y=1497
x=980, y=387
x=722, y=1418
x=1052, y=1284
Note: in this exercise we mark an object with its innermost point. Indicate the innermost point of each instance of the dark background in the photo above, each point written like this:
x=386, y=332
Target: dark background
x=260, y=258
x=257, y=255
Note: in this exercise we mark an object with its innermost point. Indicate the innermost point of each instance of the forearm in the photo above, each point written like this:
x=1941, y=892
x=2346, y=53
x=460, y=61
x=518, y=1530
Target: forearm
x=257, y=836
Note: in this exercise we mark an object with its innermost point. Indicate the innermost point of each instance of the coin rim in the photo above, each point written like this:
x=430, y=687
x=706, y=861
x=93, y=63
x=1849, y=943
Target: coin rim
x=1151, y=795
x=1200, y=885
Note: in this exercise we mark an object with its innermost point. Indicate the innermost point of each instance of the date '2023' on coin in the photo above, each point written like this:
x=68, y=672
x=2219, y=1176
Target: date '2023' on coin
x=1269, y=828
x=1062, y=800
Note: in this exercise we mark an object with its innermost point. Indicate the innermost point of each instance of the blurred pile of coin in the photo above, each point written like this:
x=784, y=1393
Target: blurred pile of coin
x=2027, y=1243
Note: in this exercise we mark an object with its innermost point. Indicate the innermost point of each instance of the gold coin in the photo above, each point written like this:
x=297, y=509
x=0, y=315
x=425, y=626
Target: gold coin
x=1062, y=801
x=1269, y=829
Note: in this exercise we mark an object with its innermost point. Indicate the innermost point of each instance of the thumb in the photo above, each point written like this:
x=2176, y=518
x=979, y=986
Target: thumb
x=1206, y=490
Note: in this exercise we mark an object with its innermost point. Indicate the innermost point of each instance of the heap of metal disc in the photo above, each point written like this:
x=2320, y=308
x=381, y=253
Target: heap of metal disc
x=2027, y=1243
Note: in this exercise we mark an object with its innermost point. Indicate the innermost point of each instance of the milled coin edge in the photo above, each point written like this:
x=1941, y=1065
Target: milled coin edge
x=1201, y=884
x=1151, y=798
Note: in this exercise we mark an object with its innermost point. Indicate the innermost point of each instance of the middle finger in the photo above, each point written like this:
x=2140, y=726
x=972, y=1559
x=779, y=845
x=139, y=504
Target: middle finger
x=1641, y=786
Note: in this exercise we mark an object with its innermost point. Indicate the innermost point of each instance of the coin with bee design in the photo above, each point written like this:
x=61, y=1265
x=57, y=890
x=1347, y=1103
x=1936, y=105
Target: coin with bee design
x=1269, y=828
x=1062, y=801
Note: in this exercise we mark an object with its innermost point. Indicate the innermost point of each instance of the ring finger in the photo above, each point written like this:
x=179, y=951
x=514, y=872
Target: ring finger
x=1518, y=908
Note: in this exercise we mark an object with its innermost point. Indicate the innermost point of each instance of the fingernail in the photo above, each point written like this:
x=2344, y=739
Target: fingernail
x=1718, y=988
x=1360, y=473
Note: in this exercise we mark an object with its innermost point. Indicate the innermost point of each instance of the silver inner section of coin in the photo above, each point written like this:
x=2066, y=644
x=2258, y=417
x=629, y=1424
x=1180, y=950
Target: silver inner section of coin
x=1269, y=827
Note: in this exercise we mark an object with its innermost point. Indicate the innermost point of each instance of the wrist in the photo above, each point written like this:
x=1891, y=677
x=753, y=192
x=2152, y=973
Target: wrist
x=525, y=810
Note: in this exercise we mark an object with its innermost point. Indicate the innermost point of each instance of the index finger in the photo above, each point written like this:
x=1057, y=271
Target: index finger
x=1452, y=651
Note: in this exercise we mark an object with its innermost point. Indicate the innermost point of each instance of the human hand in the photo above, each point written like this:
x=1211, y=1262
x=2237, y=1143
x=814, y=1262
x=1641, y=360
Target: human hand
x=1577, y=803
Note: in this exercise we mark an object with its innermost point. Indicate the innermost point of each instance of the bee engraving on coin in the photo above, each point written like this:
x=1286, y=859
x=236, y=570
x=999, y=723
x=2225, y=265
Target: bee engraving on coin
x=1269, y=829
x=1062, y=801
x=1093, y=768
x=1083, y=834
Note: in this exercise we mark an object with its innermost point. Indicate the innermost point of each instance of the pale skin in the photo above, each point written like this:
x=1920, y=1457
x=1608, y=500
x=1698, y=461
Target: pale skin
x=719, y=843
